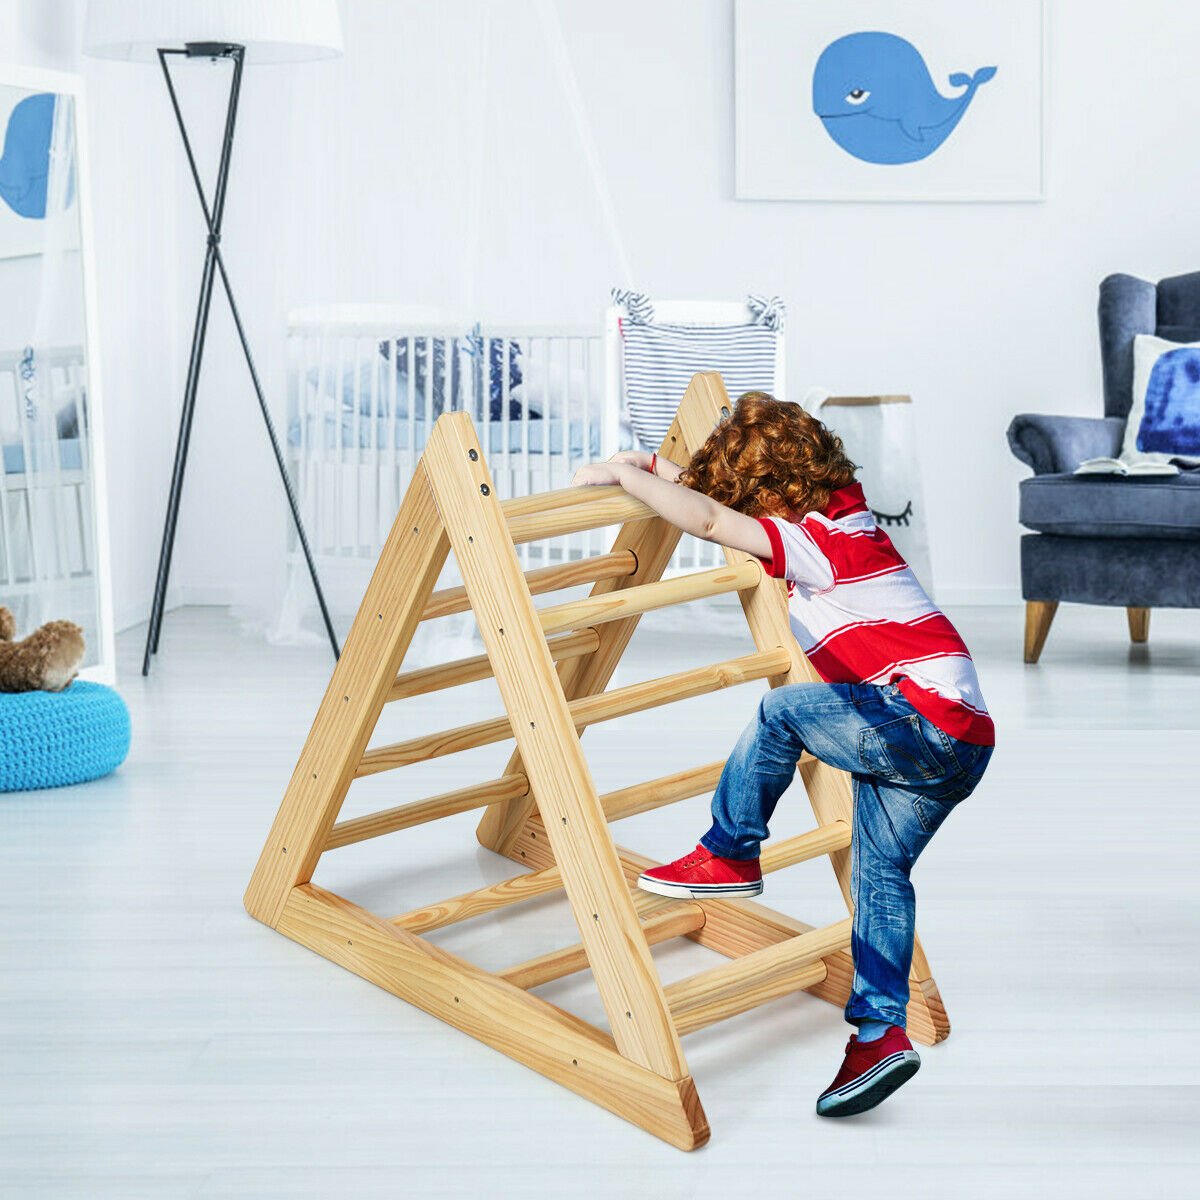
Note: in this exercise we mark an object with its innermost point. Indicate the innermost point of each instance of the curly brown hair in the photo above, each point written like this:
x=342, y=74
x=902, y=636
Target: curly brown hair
x=769, y=458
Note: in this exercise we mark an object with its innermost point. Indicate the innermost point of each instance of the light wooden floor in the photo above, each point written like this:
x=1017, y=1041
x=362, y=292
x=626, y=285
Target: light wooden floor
x=156, y=1042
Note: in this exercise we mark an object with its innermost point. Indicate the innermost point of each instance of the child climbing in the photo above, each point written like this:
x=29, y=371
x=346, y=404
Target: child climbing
x=900, y=707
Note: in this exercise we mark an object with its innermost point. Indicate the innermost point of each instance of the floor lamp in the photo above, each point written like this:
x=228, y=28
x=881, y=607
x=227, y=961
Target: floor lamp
x=237, y=32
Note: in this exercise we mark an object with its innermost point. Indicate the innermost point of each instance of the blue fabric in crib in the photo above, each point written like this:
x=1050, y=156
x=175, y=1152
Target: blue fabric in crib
x=438, y=384
x=545, y=436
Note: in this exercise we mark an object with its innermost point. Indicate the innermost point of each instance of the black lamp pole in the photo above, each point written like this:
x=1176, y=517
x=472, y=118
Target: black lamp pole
x=214, y=262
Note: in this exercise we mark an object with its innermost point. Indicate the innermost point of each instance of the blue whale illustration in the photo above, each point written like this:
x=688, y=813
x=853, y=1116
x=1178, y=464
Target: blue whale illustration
x=876, y=99
x=25, y=164
x=1171, y=422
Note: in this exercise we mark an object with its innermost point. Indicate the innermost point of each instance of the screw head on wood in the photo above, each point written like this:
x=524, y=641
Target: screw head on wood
x=483, y=487
x=473, y=455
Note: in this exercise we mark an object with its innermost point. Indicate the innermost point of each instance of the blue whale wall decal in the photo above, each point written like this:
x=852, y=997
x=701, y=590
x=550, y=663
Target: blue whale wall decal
x=876, y=99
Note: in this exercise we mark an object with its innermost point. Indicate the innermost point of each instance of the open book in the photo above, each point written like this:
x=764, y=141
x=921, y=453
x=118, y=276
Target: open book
x=1114, y=466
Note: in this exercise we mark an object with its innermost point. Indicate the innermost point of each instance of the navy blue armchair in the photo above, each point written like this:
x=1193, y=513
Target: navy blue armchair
x=1130, y=543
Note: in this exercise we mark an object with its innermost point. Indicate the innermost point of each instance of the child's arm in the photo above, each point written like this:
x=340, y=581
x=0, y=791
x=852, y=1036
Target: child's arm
x=693, y=512
x=664, y=468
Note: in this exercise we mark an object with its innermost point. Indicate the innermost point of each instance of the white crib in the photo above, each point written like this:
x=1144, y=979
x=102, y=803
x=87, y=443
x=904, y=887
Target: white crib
x=46, y=527
x=366, y=383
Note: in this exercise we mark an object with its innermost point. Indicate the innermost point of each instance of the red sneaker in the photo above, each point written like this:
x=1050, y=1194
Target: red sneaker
x=871, y=1072
x=701, y=875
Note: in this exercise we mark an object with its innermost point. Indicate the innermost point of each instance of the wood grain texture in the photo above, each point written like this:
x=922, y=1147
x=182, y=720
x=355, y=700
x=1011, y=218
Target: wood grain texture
x=659, y=924
x=737, y=927
x=635, y=697
x=550, y=750
x=603, y=509
x=526, y=1028
x=453, y=600
x=481, y=900
x=825, y=839
x=1139, y=624
x=1038, y=617
x=560, y=498
x=597, y=610
x=652, y=542
x=470, y=670
x=754, y=978
x=400, y=587
x=420, y=812
x=666, y=789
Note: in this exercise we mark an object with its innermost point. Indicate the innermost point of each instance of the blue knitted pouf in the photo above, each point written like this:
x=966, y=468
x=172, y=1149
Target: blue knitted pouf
x=52, y=739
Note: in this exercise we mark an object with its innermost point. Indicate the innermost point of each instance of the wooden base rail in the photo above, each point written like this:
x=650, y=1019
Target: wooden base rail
x=672, y=920
x=544, y=579
x=631, y=601
x=587, y=710
x=420, y=812
x=744, y=983
x=470, y=670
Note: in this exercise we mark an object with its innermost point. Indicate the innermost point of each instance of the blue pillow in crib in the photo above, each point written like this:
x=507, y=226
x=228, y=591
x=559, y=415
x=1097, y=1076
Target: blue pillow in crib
x=368, y=389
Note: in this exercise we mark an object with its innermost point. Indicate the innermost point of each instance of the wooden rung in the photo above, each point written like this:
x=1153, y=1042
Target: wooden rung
x=543, y=579
x=666, y=789
x=469, y=670
x=660, y=925
x=482, y=900
x=376, y=824
x=600, y=506
x=825, y=839
x=570, y=497
x=627, y=602
x=744, y=983
x=587, y=710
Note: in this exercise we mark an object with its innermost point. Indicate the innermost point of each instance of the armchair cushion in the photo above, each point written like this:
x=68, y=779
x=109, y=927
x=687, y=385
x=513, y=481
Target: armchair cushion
x=1052, y=444
x=1108, y=506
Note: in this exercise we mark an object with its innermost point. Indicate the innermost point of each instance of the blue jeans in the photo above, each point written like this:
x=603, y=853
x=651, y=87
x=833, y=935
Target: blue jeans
x=908, y=776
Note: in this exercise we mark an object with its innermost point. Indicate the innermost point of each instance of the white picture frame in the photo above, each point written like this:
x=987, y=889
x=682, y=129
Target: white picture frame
x=902, y=132
x=101, y=666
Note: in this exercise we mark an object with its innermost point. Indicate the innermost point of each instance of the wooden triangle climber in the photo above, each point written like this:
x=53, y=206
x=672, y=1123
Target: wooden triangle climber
x=552, y=666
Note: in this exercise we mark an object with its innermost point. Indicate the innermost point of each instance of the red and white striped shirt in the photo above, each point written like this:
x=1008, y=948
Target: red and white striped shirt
x=860, y=615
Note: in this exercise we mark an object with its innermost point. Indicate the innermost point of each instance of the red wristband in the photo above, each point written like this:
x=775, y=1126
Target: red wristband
x=653, y=463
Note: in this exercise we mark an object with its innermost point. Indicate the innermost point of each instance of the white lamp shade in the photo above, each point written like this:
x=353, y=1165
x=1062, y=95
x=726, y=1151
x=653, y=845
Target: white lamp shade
x=272, y=31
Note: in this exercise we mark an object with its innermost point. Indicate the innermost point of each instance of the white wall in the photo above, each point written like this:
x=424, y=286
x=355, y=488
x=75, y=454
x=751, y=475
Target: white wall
x=356, y=180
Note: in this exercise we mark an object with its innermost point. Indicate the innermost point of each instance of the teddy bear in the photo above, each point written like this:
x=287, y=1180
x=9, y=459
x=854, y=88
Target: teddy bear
x=47, y=660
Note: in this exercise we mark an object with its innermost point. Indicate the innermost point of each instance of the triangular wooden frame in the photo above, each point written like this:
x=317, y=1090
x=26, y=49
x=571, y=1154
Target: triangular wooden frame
x=544, y=811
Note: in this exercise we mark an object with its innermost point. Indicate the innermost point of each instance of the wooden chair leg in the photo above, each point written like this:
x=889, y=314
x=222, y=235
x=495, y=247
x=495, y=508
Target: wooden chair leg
x=1139, y=624
x=1038, y=615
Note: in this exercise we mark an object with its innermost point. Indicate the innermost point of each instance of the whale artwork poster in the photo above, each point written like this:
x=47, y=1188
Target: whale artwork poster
x=889, y=99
